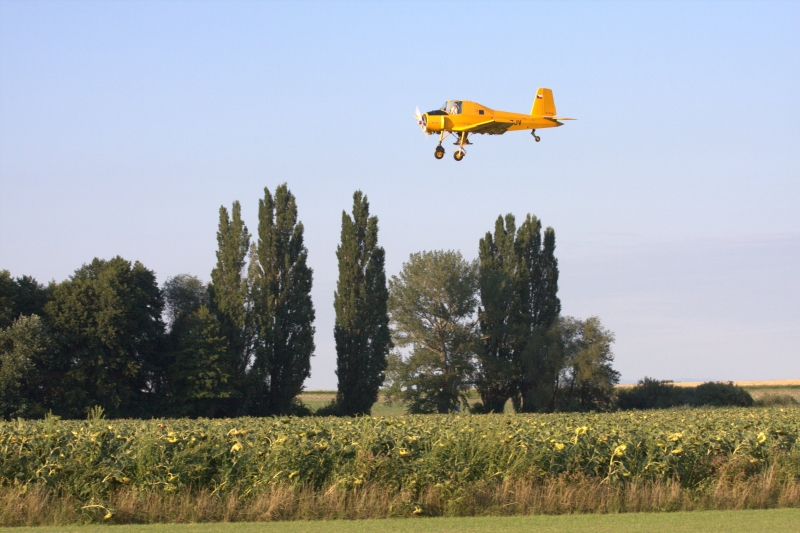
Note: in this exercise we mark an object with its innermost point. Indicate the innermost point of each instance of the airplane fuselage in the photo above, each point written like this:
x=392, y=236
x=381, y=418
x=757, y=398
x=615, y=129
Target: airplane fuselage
x=463, y=118
x=473, y=113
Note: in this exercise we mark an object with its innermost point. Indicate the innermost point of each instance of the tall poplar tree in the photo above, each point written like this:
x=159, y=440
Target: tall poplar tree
x=497, y=285
x=539, y=354
x=363, y=339
x=283, y=313
x=228, y=291
x=519, y=304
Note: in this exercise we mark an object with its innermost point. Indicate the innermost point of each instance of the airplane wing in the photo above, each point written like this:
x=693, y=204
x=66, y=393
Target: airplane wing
x=492, y=127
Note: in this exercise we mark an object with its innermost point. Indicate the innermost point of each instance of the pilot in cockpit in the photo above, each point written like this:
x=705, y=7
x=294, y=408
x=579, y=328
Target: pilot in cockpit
x=451, y=107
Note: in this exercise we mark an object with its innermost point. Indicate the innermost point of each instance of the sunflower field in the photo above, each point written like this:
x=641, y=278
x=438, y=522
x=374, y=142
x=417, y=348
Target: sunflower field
x=91, y=459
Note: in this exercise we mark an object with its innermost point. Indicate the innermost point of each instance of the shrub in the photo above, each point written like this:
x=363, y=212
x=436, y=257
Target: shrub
x=651, y=393
x=720, y=394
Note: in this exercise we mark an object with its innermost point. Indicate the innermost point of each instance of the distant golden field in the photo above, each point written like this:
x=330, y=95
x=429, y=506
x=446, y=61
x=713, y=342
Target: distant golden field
x=745, y=384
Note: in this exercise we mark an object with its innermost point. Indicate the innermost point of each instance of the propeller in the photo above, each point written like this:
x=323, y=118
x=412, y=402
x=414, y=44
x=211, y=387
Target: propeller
x=422, y=120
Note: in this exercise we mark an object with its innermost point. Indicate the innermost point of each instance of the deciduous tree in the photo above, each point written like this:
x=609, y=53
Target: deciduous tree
x=586, y=381
x=25, y=360
x=20, y=297
x=192, y=378
x=106, y=320
x=183, y=295
x=432, y=307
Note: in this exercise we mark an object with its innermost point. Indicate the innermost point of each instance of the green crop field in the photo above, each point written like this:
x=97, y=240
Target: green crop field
x=91, y=458
x=466, y=460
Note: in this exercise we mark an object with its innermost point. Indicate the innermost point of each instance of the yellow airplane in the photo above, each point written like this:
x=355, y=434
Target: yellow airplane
x=463, y=118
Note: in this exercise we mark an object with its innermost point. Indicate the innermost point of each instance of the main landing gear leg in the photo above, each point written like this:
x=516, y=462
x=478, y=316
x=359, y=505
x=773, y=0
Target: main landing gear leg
x=459, y=154
x=533, y=132
x=439, y=152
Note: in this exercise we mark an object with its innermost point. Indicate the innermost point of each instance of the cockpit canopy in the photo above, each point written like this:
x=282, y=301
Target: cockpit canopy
x=450, y=107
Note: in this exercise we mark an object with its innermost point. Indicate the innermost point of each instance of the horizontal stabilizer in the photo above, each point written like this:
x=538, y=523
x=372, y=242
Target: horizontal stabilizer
x=561, y=118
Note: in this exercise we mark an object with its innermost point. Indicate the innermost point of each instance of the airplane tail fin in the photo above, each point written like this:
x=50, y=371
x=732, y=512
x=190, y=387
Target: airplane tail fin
x=543, y=104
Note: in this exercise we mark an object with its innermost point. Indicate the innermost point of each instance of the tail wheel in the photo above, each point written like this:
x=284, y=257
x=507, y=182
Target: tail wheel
x=439, y=153
x=458, y=155
x=537, y=138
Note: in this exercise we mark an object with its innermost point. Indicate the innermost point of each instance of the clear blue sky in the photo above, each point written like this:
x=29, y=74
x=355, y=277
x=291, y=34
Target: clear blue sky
x=675, y=197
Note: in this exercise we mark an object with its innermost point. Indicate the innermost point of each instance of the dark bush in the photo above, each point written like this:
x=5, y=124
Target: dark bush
x=651, y=393
x=719, y=394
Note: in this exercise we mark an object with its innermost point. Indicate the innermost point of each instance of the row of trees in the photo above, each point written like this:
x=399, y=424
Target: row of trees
x=494, y=324
x=241, y=345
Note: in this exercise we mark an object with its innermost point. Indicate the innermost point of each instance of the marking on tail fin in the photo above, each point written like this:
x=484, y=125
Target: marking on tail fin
x=543, y=105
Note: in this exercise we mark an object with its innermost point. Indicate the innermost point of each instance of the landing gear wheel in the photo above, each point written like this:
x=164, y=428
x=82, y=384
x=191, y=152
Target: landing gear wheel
x=458, y=155
x=439, y=153
x=537, y=138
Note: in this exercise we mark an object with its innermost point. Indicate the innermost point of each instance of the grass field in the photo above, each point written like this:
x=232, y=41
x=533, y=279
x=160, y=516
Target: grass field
x=765, y=393
x=784, y=520
x=320, y=398
x=759, y=390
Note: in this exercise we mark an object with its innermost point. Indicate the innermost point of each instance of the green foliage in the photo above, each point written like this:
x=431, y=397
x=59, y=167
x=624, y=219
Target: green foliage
x=718, y=394
x=498, y=314
x=20, y=297
x=183, y=295
x=361, y=331
x=519, y=304
x=651, y=393
x=538, y=289
x=282, y=312
x=91, y=459
x=107, y=325
x=195, y=376
x=191, y=377
x=25, y=353
x=7, y=291
x=432, y=305
x=228, y=291
x=586, y=381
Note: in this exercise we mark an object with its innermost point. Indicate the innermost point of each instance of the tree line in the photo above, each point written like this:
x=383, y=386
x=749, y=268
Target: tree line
x=110, y=336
